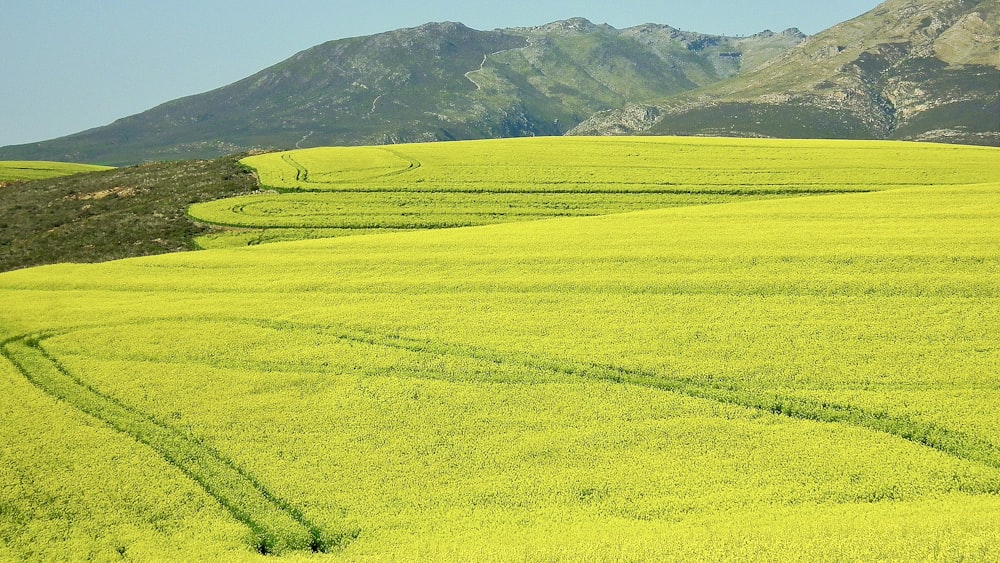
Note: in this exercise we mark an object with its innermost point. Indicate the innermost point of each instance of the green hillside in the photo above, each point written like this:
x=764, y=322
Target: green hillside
x=800, y=379
x=925, y=70
x=111, y=214
x=439, y=81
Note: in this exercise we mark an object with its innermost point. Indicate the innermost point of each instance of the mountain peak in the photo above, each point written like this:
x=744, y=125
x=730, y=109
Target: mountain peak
x=576, y=25
x=909, y=69
x=792, y=32
x=445, y=27
x=651, y=28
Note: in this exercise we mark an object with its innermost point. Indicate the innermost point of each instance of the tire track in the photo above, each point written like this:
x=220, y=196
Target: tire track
x=951, y=442
x=278, y=526
x=301, y=172
x=269, y=517
x=413, y=163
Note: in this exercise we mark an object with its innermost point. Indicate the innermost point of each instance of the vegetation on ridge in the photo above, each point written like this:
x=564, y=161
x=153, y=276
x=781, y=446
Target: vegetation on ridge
x=106, y=215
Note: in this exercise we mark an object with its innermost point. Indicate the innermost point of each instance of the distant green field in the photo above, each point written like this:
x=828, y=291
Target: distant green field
x=349, y=190
x=792, y=379
x=24, y=170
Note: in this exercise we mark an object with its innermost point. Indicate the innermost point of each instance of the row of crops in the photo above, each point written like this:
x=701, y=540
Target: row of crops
x=790, y=378
x=337, y=191
x=12, y=171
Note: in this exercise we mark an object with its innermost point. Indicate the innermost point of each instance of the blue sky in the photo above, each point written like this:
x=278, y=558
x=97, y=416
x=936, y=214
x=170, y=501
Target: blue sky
x=69, y=65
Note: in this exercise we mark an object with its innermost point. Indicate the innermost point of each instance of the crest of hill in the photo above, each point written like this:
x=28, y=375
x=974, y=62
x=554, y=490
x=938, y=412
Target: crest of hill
x=909, y=69
x=438, y=81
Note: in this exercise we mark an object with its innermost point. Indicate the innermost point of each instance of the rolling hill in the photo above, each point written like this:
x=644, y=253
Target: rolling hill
x=795, y=379
x=111, y=214
x=15, y=171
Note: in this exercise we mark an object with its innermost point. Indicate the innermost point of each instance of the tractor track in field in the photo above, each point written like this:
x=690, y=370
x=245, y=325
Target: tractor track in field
x=278, y=526
x=413, y=163
x=951, y=442
x=301, y=172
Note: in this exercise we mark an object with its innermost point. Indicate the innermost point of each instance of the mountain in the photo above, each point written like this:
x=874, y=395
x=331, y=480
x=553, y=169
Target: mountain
x=435, y=82
x=924, y=70
x=909, y=69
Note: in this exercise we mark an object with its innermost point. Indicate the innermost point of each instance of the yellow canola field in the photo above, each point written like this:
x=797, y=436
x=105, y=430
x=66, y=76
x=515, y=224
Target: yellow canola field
x=338, y=191
x=26, y=170
x=616, y=164
x=803, y=379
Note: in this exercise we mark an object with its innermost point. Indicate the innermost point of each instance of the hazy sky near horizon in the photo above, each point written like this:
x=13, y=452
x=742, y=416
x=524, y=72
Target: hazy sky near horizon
x=69, y=65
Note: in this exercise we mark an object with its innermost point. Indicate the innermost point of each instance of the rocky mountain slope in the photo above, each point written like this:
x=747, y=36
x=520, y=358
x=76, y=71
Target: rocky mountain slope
x=434, y=82
x=909, y=69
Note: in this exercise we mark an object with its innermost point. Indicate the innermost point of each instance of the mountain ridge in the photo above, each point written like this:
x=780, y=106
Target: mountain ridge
x=909, y=69
x=438, y=81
